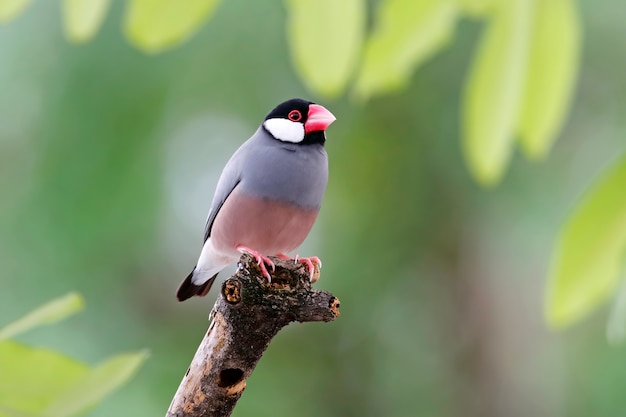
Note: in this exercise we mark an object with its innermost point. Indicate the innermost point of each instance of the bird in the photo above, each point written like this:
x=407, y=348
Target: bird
x=268, y=195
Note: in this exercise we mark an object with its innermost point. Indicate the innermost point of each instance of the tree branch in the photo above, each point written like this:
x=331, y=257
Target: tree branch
x=246, y=316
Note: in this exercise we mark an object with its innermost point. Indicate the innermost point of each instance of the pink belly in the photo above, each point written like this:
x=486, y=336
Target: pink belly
x=267, y=226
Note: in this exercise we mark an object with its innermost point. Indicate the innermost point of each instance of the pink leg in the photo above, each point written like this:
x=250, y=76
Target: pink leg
x=283, y=256
x=310, y=264
x=261, y=260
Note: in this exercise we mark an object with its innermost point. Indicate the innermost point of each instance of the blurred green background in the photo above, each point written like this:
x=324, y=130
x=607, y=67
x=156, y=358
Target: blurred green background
x=109, y=158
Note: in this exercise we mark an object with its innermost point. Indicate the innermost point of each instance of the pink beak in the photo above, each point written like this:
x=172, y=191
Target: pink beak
x=318, y=119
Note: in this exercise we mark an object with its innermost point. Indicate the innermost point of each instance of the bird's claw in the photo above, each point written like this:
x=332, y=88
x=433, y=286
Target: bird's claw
x=261, y=260
x=310, y=263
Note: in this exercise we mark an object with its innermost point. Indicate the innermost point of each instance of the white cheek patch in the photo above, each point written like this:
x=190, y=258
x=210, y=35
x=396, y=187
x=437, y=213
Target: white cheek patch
x=285, y=130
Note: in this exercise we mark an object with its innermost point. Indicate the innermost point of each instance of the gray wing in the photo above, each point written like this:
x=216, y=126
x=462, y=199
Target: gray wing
x=230, y=178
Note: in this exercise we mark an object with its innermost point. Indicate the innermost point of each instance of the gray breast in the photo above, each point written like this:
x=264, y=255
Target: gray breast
x=291, y=173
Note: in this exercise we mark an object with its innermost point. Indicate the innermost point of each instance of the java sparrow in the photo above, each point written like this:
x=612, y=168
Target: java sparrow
x=268, y=195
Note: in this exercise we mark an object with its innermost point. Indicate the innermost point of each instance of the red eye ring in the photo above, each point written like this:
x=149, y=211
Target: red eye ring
x=295, y=116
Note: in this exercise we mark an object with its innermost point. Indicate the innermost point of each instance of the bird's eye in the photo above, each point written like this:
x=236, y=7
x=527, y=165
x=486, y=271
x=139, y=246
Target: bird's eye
x=295, y=116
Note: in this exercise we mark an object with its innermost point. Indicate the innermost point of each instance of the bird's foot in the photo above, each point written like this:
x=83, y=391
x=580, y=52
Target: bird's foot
x=260, y=259
x=310, y=263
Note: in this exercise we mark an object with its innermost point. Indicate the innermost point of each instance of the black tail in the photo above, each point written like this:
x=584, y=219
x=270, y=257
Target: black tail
x=188, y=289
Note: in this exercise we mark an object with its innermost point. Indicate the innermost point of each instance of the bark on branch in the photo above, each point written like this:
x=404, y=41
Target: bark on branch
x=246, y=316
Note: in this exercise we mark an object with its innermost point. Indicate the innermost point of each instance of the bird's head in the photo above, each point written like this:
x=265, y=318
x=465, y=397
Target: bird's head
x=298, y=121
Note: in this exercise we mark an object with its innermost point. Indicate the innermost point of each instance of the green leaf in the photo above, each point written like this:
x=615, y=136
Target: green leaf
x=494, y=90
x=476, y=8
x=325, y=38
x=51, y=312
x=96, y=384
x=83, y=18
x=551, y=75
x=155, y=25
x=616, y=323
x=31, y=378
x=9, y=9
x=9, y=412
x=588, y=256
x=407, y=33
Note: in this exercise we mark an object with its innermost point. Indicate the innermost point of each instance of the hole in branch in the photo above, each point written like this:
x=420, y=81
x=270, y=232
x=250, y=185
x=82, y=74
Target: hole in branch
x=334, y=306
x=229, y=377
x=231, y=290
